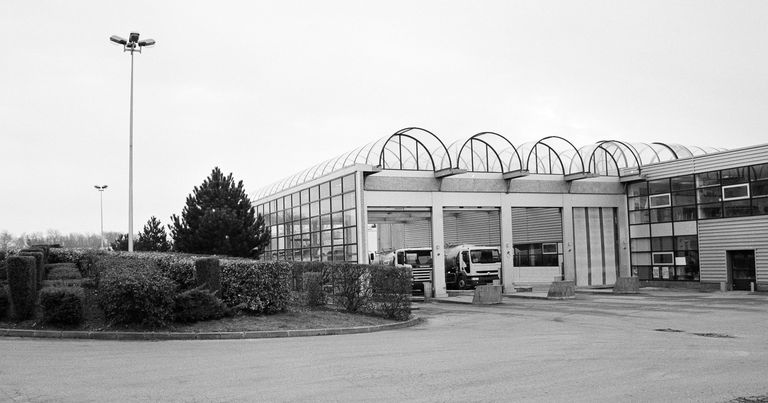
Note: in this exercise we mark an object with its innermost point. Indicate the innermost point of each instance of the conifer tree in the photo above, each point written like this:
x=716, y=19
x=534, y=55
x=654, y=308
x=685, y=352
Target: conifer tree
x=121, y=243
x=218, y=218
x=153, y=237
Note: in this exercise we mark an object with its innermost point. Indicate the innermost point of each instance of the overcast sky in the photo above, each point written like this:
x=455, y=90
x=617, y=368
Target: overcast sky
x=265, y=89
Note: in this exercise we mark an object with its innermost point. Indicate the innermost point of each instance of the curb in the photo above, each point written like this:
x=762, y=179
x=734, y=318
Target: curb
x=262, y=334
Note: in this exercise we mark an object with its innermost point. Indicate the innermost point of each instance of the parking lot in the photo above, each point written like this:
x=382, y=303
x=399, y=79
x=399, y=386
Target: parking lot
x=655, y=346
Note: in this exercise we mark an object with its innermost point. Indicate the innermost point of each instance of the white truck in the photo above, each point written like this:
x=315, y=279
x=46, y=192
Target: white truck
x=471, y=265
x=419, y=260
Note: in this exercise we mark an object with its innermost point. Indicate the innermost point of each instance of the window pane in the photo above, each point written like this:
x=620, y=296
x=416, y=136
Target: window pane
x=662, y=243
x=338, y=236
x=638, y=189
x=736, y=191
x=639, y=217
x=656, y=201
x=336, y=203
x=337, y=220
x=690, y=242
x=661, y=215
x=641, y=258
x=760, y=206
x=349, y=183
x=686, y=213
x=349, y=200
x=325, y=238
x=638, y=203
x=305, y=226
x=351, y=255
x=325, y=206
x=315, y=223
x=296, y=213
x=708, y=179
x=350, y=235
x=663, y=258
x=734, y=175
x=325, y=190
x=336, y=187
x=683, y=182
x=640, y=244
x=279, y=204
x=287, y=202
x=643, y=272
x=658, y=186
x=325, y=222
x=305, y=211
x=738, y=208
x=305, y=196
x=684, y=198
x=314, y=193
x=709, y=195
x=314, y=209
x=760, y=172
x=713, y=210
x=759, y=188
x=350, y=218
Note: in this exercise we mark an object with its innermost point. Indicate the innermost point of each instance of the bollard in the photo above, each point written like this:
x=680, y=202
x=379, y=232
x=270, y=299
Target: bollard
x=427, y=291
x=723, y=286
x=752, y=286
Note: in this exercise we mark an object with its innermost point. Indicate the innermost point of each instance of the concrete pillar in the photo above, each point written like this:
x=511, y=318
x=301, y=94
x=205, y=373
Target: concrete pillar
x=362, y=219
x=569, y=261
x=509, y=276
x=438, y=246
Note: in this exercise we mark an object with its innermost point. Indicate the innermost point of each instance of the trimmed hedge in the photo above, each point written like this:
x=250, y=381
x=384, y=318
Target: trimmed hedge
x=39, y=264
x=258, y=287
x=197, y=305
x=391, y=291
x=5, y=303
x=208, y=274
x=64, y=273
x=22, y=285
x=133, y=291
x=62, y=305
x=313, y=284
x=351, y=288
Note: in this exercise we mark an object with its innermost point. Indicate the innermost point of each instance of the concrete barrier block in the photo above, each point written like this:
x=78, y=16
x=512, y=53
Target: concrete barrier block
x=627, y=285
x=487, y=295
x=562, y=290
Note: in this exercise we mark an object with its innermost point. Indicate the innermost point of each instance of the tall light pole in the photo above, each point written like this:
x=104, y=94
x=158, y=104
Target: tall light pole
x=133, y=44
x=101, y=203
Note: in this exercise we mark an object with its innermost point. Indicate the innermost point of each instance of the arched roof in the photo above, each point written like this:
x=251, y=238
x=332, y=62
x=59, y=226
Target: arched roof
x=417, y=149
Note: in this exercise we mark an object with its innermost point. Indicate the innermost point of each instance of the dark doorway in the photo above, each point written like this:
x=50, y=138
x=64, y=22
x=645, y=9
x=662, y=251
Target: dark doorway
x=741, y=267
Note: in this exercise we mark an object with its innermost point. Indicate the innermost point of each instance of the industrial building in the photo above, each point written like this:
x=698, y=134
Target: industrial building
x=669, y=214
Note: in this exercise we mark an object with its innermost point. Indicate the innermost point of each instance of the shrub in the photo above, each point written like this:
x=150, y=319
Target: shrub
x=313, y=284
x=22, y=285
x=39, y=264
x=391, y=291
x=299, y=268
x=85, y=259
x=259, y=287
x=64, y=273
x=51, y=266
x=134, y=292
x=4, y=302
x=3, y=270
x=208, y=274
x=198, y=304
x=350, y=286
x=62, y=305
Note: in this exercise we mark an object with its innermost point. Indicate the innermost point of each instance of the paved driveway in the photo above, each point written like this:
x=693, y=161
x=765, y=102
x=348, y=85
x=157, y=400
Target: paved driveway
x=667, y=346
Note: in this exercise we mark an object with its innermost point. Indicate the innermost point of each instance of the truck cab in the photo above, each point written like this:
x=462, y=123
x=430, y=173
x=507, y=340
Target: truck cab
x=419, y=260
x=470, y=266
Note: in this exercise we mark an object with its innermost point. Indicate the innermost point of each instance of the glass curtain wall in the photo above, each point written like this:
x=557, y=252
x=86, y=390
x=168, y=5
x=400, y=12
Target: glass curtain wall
x=318, y=223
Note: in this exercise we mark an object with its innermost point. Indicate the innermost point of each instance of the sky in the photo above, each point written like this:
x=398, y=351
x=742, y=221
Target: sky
x=264, y=89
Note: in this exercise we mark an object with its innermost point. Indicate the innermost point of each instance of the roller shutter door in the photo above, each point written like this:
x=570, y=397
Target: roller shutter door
x=480, y=227
x=536, y=224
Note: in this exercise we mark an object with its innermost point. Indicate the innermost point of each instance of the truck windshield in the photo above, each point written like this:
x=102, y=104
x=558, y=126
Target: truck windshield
x=420, y=258
x=485, y=256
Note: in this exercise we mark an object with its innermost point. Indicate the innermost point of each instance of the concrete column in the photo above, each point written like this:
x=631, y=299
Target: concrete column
x=569, y=260
x=623, y=221
x=362, y=218
x=509, y=276
x=438, y=246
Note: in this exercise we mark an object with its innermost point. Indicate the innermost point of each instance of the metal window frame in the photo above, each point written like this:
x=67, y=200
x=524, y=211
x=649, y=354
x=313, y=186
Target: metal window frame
x=669, y=200
x=744, y=185
x=653, y=258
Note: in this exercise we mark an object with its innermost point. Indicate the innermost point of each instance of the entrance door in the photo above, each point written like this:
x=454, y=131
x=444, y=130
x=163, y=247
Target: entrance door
x=741, y=267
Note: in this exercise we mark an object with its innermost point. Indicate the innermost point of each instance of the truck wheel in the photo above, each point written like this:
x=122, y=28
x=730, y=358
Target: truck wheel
x=462, y=284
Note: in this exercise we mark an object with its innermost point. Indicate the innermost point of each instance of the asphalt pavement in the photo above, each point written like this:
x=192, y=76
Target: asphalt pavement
x=655, y=346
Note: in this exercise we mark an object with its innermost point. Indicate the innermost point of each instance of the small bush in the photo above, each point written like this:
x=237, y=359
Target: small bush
x=350, y=286
x=22, y=285
x=5, y=303
x=64, y=273
x=39, y=265
x=313, y=284
x=258, y=287
x=299, y=268
x=196, y=305
x=391, y=291
x=135, y=292
x=208, y=274
x=62, y=305
x=3, y=270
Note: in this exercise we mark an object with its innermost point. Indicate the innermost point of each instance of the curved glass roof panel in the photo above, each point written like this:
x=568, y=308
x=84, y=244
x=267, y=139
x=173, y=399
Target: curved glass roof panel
x=418, y=149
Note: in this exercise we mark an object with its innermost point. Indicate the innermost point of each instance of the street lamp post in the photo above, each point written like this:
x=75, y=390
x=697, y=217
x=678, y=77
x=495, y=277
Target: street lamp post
x=101, y=204
x=133, y=44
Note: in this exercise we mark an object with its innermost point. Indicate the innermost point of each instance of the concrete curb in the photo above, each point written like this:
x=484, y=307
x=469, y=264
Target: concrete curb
x=75, y=334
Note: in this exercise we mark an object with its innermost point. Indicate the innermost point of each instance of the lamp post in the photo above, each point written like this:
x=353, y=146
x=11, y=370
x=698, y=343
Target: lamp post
x=101, y=203
x=133, y=44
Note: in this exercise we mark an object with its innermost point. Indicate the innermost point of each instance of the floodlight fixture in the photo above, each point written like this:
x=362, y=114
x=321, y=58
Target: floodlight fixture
x=118, y=40
x=147, y=42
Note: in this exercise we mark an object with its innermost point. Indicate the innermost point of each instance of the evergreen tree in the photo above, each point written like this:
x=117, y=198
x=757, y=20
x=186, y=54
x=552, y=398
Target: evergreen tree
x=153, y=237
x=121, y=243
x=219, y=219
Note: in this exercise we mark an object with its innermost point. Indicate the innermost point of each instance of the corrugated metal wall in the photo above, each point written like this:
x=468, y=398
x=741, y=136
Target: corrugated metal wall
x=717, y=236
x=472, y=227
x=536, y=224
x=397, y=229
x=595, y=239
x=710, y=162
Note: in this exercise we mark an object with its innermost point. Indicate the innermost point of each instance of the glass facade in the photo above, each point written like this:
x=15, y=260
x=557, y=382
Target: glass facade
x=314, y=224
